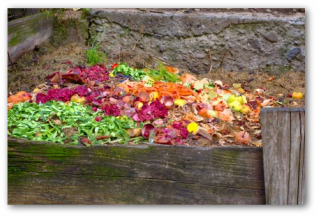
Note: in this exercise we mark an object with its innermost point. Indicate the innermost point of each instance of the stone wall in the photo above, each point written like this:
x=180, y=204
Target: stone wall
x=200, y=41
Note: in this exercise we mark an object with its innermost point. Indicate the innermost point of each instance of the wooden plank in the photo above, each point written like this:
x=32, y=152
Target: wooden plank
x=302, y=182
x=27, y=32
x=276, y=139
x=45, y=173
x=283, y=154
x=294, y=158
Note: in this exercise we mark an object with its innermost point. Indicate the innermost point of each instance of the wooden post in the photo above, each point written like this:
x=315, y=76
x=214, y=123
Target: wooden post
x=283, y=137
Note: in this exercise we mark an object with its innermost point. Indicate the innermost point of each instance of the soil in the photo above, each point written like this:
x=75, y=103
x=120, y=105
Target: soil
x=31, y=69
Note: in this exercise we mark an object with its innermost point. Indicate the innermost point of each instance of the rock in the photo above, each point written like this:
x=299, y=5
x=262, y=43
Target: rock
x=162, y=48
x=255, y=43
x=297, y=43
x=93, y=12
x=236, y=43
x=298, y=35
x=99, y=29
x=271, y=36
x=158, y=36
x=198, y=55
x=251, y=71
x=301, y=56
x=178, y=35
x=292, y=53
x=269, y=63
x=97, y=21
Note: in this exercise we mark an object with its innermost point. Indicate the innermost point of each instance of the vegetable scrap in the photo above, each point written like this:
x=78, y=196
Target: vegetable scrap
x=60, y=122
x=297, y=95
x=19, y=97
x=120, y=104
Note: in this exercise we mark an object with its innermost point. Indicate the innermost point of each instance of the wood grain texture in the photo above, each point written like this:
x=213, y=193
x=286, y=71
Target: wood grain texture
x=302, y=182
x=27, y=32
x=46, y=173
x=283, y=155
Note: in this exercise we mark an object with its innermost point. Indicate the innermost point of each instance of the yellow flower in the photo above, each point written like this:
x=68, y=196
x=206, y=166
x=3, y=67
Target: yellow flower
x=192, y=127
x=111, y=75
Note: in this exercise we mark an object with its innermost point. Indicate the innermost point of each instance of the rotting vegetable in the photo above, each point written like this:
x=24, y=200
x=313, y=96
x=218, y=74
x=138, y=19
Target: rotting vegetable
x=50, y=121
x=120, y=104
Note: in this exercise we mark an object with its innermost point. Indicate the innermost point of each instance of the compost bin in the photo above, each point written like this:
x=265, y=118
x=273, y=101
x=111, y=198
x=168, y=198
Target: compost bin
x=129, y=106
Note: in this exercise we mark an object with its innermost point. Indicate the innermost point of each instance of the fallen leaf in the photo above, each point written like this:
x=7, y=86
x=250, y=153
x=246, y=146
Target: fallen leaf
x=203, y=132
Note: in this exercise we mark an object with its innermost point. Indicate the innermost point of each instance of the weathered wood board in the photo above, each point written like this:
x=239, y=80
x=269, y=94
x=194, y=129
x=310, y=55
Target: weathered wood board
x=46, y=173
x=27, y=32
x=283, y=136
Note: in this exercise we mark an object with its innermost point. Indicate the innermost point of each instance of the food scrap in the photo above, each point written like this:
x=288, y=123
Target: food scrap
x=120, y=104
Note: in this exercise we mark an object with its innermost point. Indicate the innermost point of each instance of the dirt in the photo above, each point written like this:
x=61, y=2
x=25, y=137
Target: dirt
x=32, y=67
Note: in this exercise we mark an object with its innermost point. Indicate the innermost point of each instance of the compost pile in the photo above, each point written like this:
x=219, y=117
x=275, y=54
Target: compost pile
x=121, y=104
